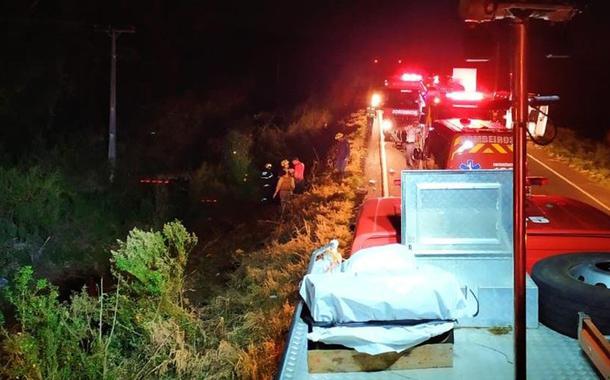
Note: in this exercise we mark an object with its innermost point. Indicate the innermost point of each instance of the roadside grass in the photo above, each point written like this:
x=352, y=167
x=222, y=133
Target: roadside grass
x=585, y=155
x=141, y=325
x=247, y=324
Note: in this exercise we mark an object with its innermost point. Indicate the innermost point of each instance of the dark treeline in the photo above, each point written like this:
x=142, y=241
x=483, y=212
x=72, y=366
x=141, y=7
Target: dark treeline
x=54, y=71
x=198, y=81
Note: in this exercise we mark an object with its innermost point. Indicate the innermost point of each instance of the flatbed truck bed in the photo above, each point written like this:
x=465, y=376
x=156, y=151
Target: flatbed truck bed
x=478, y=354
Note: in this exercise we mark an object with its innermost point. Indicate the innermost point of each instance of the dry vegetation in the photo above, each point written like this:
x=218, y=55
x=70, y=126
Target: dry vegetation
x=246, y=325
x=140, y=325
x=585, y=155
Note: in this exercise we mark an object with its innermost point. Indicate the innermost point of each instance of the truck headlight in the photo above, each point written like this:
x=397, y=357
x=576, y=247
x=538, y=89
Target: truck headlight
x=387, y=125
x=375, y=100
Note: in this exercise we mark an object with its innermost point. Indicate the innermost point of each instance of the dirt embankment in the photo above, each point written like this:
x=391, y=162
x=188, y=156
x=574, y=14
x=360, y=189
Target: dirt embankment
x=248, y=274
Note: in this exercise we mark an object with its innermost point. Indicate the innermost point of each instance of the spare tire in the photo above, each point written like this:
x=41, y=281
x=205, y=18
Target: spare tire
x=570, y=283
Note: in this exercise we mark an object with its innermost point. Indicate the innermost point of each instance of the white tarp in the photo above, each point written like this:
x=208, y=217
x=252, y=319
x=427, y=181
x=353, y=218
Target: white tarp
x=385, y=259
x=381, y=284
x=424, y=293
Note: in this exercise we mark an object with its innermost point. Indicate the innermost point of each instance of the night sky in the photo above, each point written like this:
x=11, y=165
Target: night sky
x=274, y=53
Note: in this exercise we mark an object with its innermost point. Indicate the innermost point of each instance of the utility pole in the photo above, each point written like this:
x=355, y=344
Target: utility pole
x=114, y=34
x=519, y=12
x=520, y=106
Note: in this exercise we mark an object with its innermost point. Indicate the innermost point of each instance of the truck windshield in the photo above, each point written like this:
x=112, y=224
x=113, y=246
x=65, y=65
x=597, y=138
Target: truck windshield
x=408, y=99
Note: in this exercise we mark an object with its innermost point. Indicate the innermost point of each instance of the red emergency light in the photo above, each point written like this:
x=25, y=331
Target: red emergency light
x=409, y=77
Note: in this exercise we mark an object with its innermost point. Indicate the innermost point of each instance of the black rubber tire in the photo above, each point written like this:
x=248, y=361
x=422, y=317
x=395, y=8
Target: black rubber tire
x=561, y=296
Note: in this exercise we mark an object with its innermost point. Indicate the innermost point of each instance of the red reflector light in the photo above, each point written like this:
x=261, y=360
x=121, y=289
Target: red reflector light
x=155, y=181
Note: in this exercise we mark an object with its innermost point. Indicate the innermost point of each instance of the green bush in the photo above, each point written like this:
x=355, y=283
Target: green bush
x=59, y=224
x=53, y=340
x=32, y=204
x=153, y=262
x=239, y=172
x=141, y=329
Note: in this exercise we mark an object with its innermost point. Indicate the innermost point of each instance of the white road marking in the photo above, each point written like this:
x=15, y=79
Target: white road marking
x=385, y=189
x=570, y=183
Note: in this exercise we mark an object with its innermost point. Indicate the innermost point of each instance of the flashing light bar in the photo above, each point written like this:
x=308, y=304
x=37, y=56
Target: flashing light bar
x=465, y=96
x=408, y=77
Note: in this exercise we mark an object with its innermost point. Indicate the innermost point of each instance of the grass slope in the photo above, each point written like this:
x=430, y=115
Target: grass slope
x=247, y=323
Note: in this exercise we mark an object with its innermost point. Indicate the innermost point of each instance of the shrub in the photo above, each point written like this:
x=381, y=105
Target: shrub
x=53, y=340
x=142, y=329
x=32, y=204
x=246, y=324
x=239, y=172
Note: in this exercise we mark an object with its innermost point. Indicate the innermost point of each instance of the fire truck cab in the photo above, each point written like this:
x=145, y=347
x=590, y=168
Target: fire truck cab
x=402, y=103
x=468, y=144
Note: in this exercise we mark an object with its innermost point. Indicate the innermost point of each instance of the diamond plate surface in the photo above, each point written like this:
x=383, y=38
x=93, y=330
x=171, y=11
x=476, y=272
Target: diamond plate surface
x=457, y=213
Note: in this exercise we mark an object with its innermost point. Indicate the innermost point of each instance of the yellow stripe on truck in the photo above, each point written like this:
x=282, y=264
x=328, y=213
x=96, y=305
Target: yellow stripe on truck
x=476, y=148
x=489, y=149
x=499, y=148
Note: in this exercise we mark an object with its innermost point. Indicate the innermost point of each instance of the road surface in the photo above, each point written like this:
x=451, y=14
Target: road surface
x=563, y=180
x=395, y=162
x=566, y=181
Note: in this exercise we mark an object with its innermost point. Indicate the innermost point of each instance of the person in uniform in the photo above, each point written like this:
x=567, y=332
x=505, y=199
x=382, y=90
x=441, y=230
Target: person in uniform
x=266, y=181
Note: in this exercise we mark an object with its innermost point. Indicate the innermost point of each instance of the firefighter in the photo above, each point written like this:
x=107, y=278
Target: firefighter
x=266, y=180
x=285, y=187
x=299, y=175
x=411, y=139
x=285, y=164
x=341, y=153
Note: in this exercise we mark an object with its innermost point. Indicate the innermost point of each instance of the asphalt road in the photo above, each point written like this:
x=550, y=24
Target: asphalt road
x=563, y=180
x=566, y=181
x=395, y=162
